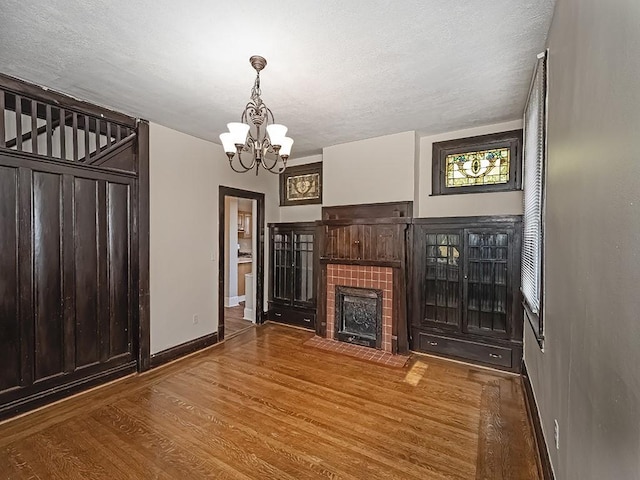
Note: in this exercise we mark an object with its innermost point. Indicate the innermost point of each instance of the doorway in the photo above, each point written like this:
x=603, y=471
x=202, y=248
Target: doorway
x=241, y=266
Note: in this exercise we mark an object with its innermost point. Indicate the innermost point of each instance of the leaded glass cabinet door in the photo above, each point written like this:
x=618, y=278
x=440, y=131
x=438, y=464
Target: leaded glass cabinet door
x=487, y=282
x=441, y=275
x=282, y=259
x=303, y=258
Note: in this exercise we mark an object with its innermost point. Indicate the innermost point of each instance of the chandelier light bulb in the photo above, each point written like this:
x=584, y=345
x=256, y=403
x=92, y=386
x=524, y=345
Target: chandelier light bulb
x=276, y=133
x=238, y=132
x=285, y=148
x=227, y=142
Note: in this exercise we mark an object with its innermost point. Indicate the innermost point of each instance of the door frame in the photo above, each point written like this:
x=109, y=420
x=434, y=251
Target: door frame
x=259, y=197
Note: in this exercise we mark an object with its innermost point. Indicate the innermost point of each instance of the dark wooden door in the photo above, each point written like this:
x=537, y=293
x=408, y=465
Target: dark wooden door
x=303, y=291
x=438, y=301
x=66, y=289
x=488, y=281
x=281, y=266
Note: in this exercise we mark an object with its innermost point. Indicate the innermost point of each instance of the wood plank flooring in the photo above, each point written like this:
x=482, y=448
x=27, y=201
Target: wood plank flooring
x=263, y=406
x=234, y=321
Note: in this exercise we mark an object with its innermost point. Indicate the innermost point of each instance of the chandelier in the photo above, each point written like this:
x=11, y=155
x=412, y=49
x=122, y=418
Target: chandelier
x=260, y=142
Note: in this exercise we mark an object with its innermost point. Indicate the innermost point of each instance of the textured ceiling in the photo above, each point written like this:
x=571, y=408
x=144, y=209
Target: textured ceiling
x=339, y=70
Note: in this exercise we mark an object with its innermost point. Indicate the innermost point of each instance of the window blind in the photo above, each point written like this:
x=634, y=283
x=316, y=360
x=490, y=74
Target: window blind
x=533, y=186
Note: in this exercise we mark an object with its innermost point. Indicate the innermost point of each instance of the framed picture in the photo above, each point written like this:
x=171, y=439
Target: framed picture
x=486, y=163
x=301, y=185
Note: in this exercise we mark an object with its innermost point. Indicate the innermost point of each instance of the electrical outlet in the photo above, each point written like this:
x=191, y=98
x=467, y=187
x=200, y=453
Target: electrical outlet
x=195, y=319
x=556, y=433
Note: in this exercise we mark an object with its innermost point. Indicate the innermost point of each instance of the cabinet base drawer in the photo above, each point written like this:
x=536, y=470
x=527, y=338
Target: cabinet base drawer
x=293, y=317
x=463, y=349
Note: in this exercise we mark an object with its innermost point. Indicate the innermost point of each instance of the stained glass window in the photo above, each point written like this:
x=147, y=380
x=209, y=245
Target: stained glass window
x=484, y=167
x=486, y=163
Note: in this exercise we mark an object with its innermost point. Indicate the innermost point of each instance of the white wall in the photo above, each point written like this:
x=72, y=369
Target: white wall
x=398, y=167
x=302, y=213
x=369, y=171
x=185, y=173
x=495, y=203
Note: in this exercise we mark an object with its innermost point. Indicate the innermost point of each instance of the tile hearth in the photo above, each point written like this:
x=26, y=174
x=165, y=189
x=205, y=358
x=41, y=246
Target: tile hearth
x=357, y=351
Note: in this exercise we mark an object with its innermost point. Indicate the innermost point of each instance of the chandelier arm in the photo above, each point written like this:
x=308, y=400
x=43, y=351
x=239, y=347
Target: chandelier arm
x=272, y=167
x=235, y=169
x=269, y=112
x=251, y=165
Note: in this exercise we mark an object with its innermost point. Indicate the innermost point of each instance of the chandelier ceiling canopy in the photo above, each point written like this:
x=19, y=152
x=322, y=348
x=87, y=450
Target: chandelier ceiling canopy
x=257, y=141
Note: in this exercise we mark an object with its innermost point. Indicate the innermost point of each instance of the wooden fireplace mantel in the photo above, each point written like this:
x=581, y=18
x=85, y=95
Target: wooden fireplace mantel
x=367, y=235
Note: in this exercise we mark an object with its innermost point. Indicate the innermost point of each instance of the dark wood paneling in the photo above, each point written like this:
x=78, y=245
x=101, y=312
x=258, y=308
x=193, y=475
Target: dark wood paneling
x=368, y=211
x=69, y=261
x=86, y=271
x=183, y=349
x=68, y=274
x=25, y=260
x=118, y=267
x=48, y=298
x=143, y=226
x=53, y=389
x=10, y=335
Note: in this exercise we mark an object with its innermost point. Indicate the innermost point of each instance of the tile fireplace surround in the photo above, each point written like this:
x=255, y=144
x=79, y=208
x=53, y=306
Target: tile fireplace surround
x=379, y=278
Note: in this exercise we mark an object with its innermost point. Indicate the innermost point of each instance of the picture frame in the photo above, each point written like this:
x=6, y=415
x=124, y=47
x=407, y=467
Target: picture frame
x=301, y=185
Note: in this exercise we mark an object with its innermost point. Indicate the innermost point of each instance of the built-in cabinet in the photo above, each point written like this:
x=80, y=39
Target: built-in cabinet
x=292, y=270
x=466, y=289
x=244, y=224
x=243, y=269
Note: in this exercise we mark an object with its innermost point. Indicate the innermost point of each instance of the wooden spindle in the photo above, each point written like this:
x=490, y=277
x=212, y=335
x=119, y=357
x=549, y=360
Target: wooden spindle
x=63, y=140
x=18, y=123
x=108, y=134
x=34, y=127
x=49, y=132
x=74, y=136
x=86, y=138
x=97, y=136
x=118, y=133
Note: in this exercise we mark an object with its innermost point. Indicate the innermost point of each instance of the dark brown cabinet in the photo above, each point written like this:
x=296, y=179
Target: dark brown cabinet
x=292, y=271
x=466, y=289
x=368, y=242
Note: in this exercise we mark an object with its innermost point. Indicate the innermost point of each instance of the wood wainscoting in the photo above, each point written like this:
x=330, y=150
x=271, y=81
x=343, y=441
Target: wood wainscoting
x=264, y=406
x=74, y=230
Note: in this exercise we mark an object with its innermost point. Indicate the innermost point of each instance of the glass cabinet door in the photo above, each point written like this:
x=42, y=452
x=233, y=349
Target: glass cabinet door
x=281, y=268
x=303, y=287
x=441, y=279
x=487, y=283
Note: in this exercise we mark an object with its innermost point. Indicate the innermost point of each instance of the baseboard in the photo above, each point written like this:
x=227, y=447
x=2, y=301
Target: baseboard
x=233, y=301
x=58, y=392
x=249, y=315
x=183, y=349
x=534, y=419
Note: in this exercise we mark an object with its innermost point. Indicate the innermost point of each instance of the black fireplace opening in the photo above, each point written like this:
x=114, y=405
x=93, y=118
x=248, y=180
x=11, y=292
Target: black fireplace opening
x=359, y=316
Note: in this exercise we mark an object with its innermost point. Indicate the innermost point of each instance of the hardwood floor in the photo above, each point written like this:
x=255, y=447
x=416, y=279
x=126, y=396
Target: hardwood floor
x=263, y=406
x=234, y=321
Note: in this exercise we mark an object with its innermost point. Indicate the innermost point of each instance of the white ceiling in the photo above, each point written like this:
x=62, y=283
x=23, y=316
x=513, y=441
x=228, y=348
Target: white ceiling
x=338, y=70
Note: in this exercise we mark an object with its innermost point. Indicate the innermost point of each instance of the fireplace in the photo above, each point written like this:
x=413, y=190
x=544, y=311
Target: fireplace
x=358, y=317
x=359, y=278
